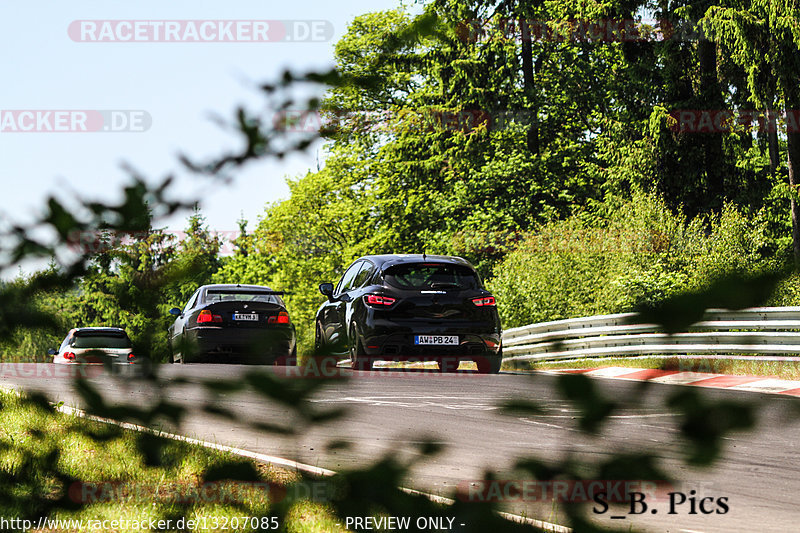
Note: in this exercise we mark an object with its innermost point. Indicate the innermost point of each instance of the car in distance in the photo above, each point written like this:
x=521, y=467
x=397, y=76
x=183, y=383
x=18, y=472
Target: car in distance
x=94, y=345
x=228, y=323
x=410, y=307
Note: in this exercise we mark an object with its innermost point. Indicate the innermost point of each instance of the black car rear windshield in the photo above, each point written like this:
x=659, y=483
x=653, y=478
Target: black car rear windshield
x=241, y=295
x=91, y=339
x=431, y=276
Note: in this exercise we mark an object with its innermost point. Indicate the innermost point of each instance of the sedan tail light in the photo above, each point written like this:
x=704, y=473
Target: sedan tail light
x=281, y=318
x=131, y=358
x=484, y=301
x=205, y=316
x=380, y=301
x=69, y=355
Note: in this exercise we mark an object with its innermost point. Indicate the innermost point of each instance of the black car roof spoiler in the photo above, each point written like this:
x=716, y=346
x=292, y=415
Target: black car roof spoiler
x=235, y=290
x=100, y=332
x=430, y=261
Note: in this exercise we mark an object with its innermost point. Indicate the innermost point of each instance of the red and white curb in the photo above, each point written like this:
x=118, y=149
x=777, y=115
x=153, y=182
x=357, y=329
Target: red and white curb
x=698, y=379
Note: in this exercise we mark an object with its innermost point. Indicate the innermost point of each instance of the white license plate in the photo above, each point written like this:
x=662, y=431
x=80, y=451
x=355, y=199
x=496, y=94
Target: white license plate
x=246, y=316
x=436, y=339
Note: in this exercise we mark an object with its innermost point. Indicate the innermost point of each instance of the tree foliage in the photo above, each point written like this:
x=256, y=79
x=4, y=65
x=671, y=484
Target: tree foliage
x=473, y=125
x=449, y=134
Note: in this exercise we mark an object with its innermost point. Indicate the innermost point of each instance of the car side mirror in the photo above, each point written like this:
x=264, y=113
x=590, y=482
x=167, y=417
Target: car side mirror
x=175, y=311
x=327, y=290
x=52, y=351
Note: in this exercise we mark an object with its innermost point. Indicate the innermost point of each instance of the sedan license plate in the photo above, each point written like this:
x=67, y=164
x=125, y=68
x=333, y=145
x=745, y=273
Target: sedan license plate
x=447, y=340
x=252, y=317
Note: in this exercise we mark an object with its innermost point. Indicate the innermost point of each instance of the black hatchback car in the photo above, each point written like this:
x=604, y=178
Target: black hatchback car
x=233, y=324
x=410, y=307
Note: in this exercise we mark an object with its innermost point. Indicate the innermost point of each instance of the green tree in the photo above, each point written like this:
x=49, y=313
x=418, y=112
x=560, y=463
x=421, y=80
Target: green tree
x=763, y=37
x=133, y=279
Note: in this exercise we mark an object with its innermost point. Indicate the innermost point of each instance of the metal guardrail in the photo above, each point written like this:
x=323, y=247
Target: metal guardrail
x=773, y=330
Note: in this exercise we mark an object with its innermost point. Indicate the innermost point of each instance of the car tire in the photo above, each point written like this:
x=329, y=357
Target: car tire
x=489, y=364
x=318, y=339
x=448, y=364
x=287, y=360
x=182, y=358
x=359, y=360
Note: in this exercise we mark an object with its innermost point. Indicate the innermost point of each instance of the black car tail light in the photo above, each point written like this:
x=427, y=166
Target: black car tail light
x=131, y=358
x=205, y=316
x=281, y=318
x=380, y=301
x=484, y=301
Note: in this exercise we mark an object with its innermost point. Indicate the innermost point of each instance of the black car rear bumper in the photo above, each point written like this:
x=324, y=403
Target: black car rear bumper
x=245, y=345
x=395, y=339
x=401, y=346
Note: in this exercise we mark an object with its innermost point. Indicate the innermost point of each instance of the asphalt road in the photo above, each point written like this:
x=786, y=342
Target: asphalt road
x=391, y=411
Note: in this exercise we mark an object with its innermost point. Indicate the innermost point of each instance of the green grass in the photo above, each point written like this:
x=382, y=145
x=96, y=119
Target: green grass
x=46, y=455
x=776, y=369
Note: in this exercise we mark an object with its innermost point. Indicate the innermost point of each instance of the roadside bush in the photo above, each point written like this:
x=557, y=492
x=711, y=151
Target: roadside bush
x=787, y=292
x=642, y=287
x=640, y=254
x=38, y=322
x=735, y=245
x=550, y=275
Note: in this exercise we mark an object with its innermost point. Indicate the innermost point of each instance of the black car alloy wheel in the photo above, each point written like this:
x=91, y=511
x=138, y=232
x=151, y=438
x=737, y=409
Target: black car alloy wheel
x=358, y=357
